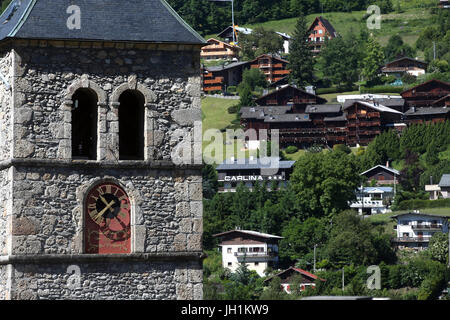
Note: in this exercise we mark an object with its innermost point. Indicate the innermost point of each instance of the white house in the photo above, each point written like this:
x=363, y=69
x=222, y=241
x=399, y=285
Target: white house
x=415, y=229
x=258, y=250
x=441, y=190
x=372, y=200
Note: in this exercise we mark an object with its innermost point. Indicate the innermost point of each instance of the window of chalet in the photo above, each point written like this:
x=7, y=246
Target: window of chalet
x=84, y=124
x=131, y=125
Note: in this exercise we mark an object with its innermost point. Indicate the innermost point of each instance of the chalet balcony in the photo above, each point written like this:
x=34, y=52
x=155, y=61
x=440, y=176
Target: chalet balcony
x=411, y=239
x=278, y=65
x=370, y=123
x=207, y=75
x=256, y=256
x=427, y=227
x=281, y=72
x=301, y=101
x=215, y=88
x=373, y=115
x=217, y=80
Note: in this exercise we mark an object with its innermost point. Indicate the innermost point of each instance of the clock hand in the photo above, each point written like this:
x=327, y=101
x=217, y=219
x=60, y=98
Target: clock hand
x=100, y=214
x=103, y=199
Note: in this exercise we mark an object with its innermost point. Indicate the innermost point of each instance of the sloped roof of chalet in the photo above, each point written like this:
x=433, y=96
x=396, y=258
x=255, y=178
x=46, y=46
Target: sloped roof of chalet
x=227, y=66
x=375, y=106
x=323, y=108
x=427, y=111
x=223, y=42
x=397, y=102
x=418, y=87
x=298, y=270
x=249, y=232
x=288, y=117
x=273, y=56
x=394, y=171
x=101, y=20
x=319, y=99
x=255, y=164
x=445, y=181
x=419, y=214
x=444, y=98
x=326, y=24
x=259, y=112
x=406, y=58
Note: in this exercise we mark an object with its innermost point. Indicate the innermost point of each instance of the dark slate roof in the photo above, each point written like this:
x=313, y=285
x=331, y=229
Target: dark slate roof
x=394, y=102
x=445, y=181
x=226, y=66
x=289, y=117
x=259, y=112
x=289, y=86
x=326, y=24
x=338, y=118
x=424, y=86
x=394, y=171
x=255, y=164
x=101, y=20
x=323, y=108
x=406, y=58
x=427, y=111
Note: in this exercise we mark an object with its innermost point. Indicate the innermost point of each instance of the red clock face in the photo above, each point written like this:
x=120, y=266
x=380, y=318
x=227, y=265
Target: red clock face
x=107, y=227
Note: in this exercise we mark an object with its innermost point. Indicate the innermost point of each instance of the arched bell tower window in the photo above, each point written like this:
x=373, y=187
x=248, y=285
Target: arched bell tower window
x=84, y=124
x=131, y=125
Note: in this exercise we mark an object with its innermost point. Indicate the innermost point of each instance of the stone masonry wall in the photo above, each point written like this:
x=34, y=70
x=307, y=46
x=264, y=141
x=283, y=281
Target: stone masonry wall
x=45, y=76
x=5, y=198
x=48, y=208
x=5, y=107
x=108, y=281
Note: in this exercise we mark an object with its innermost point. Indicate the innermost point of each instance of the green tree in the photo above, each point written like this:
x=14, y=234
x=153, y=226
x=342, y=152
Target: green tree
x=339, y=61
x=396, y=49
x=325, y=182
x=373, y=61
x=438, y=247
x=301, y=62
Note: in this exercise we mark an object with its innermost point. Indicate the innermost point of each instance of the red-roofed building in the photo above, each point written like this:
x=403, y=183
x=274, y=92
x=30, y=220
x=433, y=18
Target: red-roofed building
x=320, y=30
x=287, y=276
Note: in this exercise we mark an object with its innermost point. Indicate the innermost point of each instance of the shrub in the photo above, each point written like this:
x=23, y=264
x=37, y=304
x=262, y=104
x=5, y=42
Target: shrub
x=233, y=109
x=291, y=149
x=232, y=89
x=382, y=89
x=423, y=204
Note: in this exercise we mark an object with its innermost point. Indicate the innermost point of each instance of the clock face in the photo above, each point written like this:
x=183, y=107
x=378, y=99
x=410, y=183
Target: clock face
x=107, y=219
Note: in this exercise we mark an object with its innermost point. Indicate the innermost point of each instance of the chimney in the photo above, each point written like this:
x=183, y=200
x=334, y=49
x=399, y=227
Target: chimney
x=387, y=164
x=431, y=179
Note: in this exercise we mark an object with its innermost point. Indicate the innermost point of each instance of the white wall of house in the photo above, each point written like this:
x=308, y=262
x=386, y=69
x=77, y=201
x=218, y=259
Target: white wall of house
x=256, y=255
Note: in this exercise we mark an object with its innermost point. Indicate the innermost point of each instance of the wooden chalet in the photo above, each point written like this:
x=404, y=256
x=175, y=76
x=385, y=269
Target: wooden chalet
x=275, y=68
x=405, y=65
x=307, y=279
x=218, y=78
x=366, y=120
x=302, y=118
x=290, y=95
x=442, y=102
x=320, y=30
x=382, y=174
x=425, y=94
x=217, y=49
x=427, y=115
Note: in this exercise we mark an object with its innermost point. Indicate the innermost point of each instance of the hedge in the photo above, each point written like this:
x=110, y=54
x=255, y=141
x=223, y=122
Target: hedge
x=423, y=204
x=291, y=149
x=382, y=89
x=336, y=89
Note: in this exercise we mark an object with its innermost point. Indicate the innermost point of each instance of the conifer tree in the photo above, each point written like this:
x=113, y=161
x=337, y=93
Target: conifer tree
x=301, y=61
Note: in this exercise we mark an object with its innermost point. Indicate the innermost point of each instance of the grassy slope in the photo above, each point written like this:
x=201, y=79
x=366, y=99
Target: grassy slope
x=408, y=24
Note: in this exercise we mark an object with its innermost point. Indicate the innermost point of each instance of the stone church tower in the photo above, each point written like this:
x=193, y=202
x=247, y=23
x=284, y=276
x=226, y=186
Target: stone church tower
x=94, y=99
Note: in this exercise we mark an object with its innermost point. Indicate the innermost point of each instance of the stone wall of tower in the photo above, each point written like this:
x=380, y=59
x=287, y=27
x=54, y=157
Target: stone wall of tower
x=47, y=76
x=48, y=188
x=6, y=127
